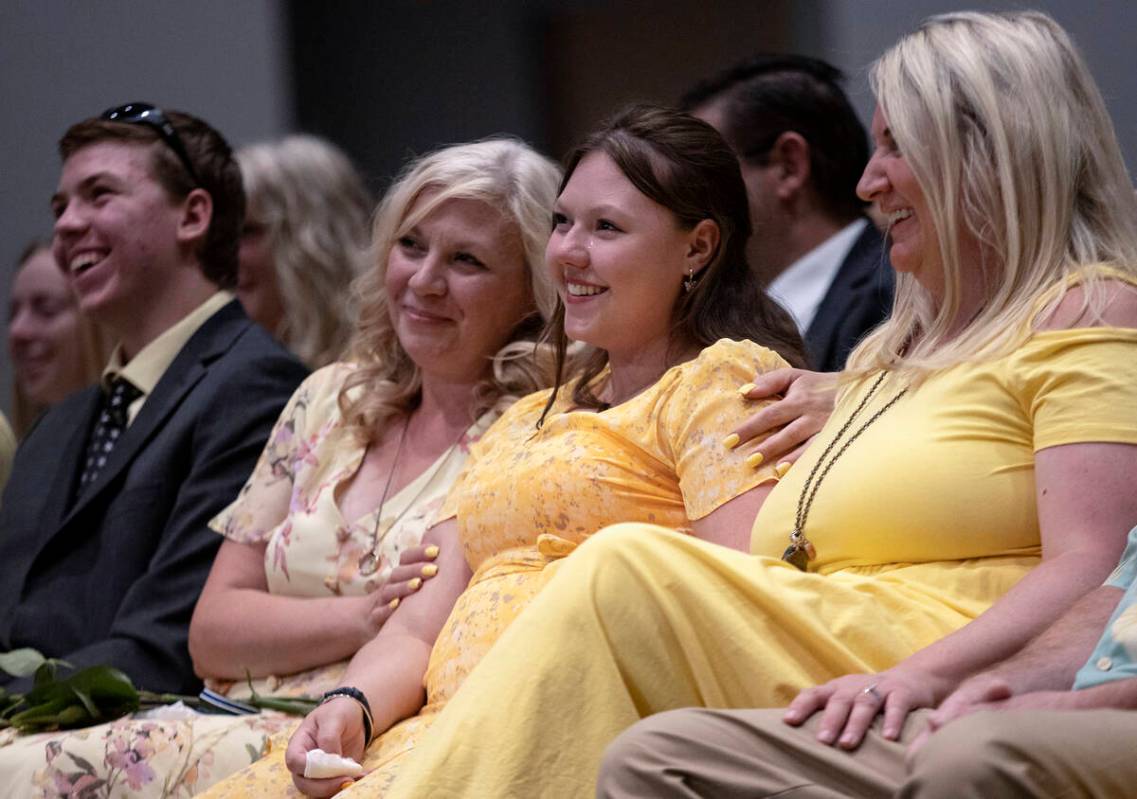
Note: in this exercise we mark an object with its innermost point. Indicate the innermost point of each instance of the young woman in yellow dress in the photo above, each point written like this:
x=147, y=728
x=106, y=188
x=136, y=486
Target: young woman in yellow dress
x=973, y=482
x=647, y=253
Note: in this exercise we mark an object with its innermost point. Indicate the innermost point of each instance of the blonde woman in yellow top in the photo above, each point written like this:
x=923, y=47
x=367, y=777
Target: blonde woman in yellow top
x=647, y=253
x=974, y=480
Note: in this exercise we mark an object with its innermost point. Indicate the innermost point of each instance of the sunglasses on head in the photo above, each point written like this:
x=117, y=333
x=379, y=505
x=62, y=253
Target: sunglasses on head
x=152, y=117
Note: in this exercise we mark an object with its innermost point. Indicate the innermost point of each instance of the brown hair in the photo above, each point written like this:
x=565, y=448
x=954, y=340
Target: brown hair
x=683, y=164
x=216, y=170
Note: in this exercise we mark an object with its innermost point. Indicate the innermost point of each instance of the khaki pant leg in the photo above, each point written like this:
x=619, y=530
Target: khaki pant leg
x=737, y=754
x=1052, y=754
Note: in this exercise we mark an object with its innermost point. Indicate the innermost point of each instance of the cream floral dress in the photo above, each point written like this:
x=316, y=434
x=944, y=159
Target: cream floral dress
x=312, y=551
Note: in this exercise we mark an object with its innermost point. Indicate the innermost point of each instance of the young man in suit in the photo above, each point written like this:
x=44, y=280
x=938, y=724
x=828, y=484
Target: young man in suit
x=802, y=150
x=104, y=538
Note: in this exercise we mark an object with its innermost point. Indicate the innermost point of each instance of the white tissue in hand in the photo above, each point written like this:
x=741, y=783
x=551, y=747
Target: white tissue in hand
x=320, y=765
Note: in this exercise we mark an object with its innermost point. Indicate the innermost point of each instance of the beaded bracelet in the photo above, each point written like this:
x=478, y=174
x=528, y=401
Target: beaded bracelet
x=356, y=694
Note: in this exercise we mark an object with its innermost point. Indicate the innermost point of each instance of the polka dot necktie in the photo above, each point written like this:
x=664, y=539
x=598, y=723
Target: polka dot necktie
x=111, y=424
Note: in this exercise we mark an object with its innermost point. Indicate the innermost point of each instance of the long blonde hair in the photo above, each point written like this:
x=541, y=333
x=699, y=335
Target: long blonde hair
x=316, y=211
x=508, y=175
x=1009, y=139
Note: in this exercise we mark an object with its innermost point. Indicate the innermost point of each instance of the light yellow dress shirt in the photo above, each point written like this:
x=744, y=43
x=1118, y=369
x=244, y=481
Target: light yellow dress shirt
x=147, y=367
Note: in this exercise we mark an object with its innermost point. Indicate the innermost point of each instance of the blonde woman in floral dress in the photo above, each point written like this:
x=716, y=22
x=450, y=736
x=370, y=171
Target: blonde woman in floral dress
x=352, y=475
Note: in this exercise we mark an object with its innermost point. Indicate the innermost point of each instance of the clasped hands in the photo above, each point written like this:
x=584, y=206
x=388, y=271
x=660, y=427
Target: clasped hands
x=851, y=703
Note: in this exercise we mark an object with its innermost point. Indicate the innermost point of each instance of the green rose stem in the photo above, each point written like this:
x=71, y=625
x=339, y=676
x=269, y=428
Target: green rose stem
x=94, y=695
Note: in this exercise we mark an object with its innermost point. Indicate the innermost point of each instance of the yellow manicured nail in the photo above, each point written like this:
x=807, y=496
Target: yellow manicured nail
x=755, y=460
x=346, y=784
x=746, y=389
x=782, y=468
x=429, y=570
x=431, y=551
x=394, y=603
x=731, y=441
x=415, y=584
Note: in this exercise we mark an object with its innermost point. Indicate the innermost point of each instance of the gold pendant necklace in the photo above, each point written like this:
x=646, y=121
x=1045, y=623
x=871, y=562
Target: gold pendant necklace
x=801, y=550
x=369, y=563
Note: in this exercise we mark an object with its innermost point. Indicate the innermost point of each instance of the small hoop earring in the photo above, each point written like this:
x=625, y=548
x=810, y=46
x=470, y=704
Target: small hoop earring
x=689, y=281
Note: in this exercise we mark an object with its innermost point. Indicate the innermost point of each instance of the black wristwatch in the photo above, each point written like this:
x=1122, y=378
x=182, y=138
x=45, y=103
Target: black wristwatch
x=358, y=695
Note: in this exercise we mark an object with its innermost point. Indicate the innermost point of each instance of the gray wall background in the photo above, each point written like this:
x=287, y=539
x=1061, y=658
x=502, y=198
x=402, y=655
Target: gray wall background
x=392, y=78
x=61, y=61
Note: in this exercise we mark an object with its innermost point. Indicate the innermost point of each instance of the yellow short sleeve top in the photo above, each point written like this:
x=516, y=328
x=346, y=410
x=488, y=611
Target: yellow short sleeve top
x=947, y=473
x=657, y=458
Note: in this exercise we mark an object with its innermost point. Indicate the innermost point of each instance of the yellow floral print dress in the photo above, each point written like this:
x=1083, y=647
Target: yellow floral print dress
x=288, y=503
x=530, y=496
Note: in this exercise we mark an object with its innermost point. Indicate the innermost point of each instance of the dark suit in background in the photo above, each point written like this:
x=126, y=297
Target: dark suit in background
x=858, y=299
x=114, y=577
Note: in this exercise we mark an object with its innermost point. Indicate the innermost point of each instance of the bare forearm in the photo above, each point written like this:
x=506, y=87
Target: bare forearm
x=1050, y=661
x=1024, y=612
x=390, y=671
x=241, y=630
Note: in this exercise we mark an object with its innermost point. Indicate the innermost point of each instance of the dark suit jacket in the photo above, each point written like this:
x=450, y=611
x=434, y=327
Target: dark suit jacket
x=859, y=298
x=114, y=578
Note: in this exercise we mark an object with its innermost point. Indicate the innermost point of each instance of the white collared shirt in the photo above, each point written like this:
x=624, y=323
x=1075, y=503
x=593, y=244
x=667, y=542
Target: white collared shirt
x=804, y=283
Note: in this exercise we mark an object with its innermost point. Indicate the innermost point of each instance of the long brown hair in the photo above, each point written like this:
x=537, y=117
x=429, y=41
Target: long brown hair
x=683, y=164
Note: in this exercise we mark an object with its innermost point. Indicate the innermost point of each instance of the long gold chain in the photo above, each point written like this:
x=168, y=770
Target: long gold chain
x=369, y=563
x=801, y=550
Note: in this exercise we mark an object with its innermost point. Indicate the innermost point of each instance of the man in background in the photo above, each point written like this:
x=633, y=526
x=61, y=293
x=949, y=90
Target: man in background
x=802, y=150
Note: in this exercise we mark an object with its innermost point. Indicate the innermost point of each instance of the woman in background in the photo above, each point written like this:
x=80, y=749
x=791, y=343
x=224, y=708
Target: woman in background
x=304, y=241
x=55, y=350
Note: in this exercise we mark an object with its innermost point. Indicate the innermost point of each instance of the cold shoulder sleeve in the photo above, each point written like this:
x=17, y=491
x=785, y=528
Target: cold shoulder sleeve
x=701, y=408
x=1079, y=385
x=266, y=498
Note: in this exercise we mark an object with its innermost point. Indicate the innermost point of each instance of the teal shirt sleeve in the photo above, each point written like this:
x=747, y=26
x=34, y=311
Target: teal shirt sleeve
x=1115, y=656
